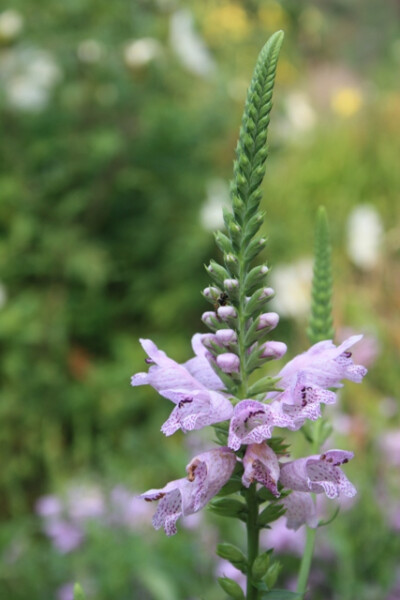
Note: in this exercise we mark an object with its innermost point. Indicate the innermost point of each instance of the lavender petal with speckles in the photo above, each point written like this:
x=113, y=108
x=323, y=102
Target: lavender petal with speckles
x=206, y=474
x=325, y=365
x=300, y=510
x=318, y=474
x=261, y=465
x=192, y=387
x=252, y=423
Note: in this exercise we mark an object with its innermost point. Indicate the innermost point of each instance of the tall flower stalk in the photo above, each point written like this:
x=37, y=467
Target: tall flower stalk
x=249, y=476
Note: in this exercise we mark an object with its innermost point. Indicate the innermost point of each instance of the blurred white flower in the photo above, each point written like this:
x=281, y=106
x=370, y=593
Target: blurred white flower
x=188, y=46
x=140, y=52
x=89, y=51
x=292, y=284
x=29, y=75
x=11, y=24
x=217, y=197
x=364, y=236
x=85, y=502
x=300, y=115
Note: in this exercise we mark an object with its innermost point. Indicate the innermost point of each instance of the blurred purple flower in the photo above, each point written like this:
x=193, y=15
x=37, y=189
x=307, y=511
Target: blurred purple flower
x=191, y=386
x=207, y=473
x=64, y=535
x=127, y=510
x=318, y=474
x=65, y=592
x=282, y=539
x=49, y=506
x=389, y=443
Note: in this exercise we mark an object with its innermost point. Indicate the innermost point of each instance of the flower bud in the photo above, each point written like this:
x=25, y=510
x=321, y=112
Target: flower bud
x=268, y=320
x=258, y=299
x=232, y=588
x=226, y=312
x=209, y=318
x=228, y=362
x=260, y=566
x=273, y=350
x=211, y=293
x=208, y=340
x=226, y=336
x=272, y=574
x=231, y=284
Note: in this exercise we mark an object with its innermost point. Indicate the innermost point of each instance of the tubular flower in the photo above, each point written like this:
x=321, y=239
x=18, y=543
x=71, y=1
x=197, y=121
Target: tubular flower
x=305, y=378
x=261, y=464
x=191, y=386
x=252, y=423
x=300, y=510
x=206, y=474
x=325, y=365
x=318, y=474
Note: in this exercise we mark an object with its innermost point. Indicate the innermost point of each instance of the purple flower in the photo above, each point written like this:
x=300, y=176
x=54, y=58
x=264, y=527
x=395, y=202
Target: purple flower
x=191, y=386
x=318, y=474
x=228, y=362
x=261, y=464
x=49, y=506
x=300, y=510
x=305, y=378
x=325, y=365
x=207, y=473
x=282, y=539
x=64, y=535
x=252, y=423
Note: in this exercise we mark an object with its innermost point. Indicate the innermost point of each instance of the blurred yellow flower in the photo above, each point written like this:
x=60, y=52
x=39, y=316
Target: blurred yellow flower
x=272, y=16
x=228, y=19
x=346, y=101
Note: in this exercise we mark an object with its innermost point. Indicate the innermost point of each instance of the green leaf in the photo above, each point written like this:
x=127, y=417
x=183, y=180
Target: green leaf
x=234, y=555
x=232, y=588
x=229, y=507
x=271, y=513
x=78, y=592
x=260, y=565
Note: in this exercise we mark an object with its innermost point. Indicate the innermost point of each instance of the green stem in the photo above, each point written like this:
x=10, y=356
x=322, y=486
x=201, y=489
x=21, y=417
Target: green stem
x=306, y=560
x=252, y=538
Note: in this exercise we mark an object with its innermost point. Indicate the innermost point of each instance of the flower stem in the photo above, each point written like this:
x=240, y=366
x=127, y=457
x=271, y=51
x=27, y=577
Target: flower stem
x=252, y=538
x=306, y=560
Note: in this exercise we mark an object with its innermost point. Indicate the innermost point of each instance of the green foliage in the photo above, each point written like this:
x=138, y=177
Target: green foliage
x=234, y=555
x=232, y=588
x=321, y=322
x=78, y=592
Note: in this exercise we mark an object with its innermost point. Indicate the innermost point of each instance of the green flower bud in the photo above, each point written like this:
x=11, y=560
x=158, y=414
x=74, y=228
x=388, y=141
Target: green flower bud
x=272, y=574
x=260, y=566
x=232, y=588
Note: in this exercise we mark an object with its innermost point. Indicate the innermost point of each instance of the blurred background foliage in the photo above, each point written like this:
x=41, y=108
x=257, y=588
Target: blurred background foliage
x=119, y=122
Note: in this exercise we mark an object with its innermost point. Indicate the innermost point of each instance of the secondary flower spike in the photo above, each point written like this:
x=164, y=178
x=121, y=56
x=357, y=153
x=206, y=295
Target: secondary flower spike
x=206, y=474
x=318, y=474
x=191, y=386
x=261, y=464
